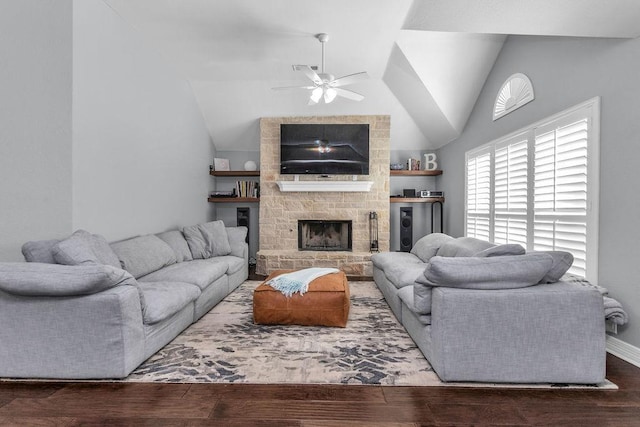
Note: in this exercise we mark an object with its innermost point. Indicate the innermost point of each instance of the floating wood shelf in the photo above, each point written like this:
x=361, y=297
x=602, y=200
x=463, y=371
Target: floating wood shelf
x=416, y=199
x=415, y=173
x=234, y=173
x=233, y=199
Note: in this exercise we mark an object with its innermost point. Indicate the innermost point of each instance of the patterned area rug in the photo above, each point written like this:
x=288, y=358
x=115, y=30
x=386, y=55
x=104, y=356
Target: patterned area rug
x=225, y=346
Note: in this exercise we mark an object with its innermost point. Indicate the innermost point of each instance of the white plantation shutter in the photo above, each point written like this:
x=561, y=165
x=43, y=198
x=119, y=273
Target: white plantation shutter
x=542, y=187
x=478, y=206
x=560, y=189
x=511, y=189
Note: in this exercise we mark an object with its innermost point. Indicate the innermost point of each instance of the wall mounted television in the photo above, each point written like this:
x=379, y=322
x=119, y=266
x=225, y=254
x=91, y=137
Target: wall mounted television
x=324, y=149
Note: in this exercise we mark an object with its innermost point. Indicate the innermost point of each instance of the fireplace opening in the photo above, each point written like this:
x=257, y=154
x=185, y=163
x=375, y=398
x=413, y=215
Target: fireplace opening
x=318, y=235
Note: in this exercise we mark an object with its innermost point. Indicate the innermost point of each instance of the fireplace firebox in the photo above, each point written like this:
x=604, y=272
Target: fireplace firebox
x=324, y=235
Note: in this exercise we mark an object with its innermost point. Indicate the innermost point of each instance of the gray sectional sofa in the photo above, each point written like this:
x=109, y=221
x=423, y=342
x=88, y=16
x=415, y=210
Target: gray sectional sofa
x=82, y=308
x=481, y=312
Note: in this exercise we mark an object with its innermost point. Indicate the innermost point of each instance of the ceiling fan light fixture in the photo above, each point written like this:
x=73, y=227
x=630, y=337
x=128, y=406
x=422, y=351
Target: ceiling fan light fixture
x=329, y=95
x=316, y=94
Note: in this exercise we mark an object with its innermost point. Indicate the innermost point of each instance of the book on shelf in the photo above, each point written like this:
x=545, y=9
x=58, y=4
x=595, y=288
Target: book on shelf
x=247, y=189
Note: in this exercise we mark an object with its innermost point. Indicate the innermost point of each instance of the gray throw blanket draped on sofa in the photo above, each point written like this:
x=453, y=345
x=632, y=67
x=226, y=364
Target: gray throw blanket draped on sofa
x=613, y=310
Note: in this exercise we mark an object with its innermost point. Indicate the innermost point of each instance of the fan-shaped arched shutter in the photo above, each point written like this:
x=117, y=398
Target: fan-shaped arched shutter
x=514, y=93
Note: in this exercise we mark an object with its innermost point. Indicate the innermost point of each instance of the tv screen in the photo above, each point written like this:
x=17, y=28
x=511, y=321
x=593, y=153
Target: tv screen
x=337, y=149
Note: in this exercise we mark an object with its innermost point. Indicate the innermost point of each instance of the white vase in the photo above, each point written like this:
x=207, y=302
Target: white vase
x=250, y=165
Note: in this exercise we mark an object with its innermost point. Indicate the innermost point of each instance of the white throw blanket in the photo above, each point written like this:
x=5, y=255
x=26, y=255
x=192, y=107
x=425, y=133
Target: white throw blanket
x=298, y=281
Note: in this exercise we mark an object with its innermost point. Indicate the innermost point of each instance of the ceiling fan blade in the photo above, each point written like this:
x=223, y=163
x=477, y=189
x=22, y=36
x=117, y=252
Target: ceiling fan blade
x=349, y=94
x=349, y=79
x=312, y=75
x=293, y=87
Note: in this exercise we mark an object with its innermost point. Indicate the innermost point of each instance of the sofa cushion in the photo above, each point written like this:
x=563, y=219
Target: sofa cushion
x=463, y=247
x=237, y=236
x=406, y=295
x=56, y=280
x=207, y=240
x=39, y=251
x=427, y=246
x=176, y=241
x=404, y=275
x=199, y=272
x=234, y=263
x=164, y=299
x=501, y=272
x=502, y=250
x=83, y=247
x=386, y=259
x=143, y=254
x=562, y=261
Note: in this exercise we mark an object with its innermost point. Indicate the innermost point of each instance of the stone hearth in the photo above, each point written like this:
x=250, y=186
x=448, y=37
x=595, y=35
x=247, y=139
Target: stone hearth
x=280, y=211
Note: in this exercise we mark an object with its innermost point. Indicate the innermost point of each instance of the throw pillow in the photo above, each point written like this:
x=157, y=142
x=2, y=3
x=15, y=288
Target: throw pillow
x=83, y=247
x=103, y=251
x=175, y=239
x=562, y=261
x=463, y=247
x=55, y=280
x=207, y=240
x=500, y=272
x=75, y=250
x=237, y=236
x=502, y=250
x=143, y=254
x=427, y=246
x=39, y=251
x=215, y=234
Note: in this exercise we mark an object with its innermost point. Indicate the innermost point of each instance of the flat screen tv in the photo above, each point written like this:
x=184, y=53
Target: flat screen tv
x=331, y=149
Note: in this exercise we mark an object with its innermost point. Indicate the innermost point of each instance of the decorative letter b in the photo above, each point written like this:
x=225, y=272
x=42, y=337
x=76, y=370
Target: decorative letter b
x=430, y=162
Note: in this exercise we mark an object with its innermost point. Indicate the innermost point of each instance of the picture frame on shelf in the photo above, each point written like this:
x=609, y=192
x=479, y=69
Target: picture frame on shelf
x=221, y=164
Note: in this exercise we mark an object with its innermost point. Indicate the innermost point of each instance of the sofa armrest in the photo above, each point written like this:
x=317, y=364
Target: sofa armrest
x=56, y=280
x=546, y=333
x=81, y=337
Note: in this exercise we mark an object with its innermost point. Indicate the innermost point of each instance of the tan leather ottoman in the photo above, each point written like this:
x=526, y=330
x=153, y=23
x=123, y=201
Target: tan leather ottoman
x=326, y=303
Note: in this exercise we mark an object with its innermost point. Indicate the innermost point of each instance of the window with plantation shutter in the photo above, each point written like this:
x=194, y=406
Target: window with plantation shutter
x=539, y=187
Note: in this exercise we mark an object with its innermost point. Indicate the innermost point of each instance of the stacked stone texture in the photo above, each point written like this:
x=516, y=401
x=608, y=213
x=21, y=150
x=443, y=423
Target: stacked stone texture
x=280, y=212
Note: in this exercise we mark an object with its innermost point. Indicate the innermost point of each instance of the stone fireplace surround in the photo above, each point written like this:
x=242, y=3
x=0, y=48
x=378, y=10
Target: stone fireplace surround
x=280, y=211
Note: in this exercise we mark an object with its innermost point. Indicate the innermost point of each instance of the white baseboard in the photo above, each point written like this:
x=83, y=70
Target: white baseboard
x=624, y=351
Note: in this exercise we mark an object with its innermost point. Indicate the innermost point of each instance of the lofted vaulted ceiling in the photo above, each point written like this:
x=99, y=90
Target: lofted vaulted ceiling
x=428, y=59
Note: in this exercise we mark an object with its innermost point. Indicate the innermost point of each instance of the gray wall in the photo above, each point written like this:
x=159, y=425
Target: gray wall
x=141, y=151
x=35, y=122
x=565, y=72
x=97, y=132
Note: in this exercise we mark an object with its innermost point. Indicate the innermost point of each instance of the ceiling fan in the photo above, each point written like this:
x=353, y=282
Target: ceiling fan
x=325, y=86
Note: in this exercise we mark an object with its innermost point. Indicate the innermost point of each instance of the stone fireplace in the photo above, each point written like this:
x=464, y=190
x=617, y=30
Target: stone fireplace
x=324, y=235
x=280, y=211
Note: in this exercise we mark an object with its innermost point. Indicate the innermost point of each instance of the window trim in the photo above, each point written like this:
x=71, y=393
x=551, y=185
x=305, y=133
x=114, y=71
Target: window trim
x=593, y=176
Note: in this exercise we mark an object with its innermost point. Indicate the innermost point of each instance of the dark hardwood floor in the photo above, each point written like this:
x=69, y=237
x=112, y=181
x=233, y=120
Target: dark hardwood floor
x=116, y=404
